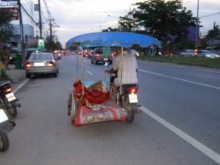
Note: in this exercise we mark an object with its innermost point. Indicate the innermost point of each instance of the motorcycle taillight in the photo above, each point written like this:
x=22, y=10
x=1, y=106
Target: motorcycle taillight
x=7, y=89
x=132, y=90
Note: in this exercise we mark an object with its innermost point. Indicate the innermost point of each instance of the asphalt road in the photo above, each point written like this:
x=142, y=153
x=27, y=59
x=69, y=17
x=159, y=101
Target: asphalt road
x=179, y=126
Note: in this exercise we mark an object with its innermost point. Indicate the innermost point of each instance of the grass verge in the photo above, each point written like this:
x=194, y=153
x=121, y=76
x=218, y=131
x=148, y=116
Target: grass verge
x=4, y=76
x=195, y=61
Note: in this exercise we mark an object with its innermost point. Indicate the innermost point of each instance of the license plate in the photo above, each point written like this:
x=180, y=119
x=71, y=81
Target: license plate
x=39, y=64
x=133, y=98
x=10, y=96
x=3, y=116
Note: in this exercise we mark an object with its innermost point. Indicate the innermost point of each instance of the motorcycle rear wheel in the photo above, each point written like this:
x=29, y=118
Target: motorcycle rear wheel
x=11, y=107
x=4, y=142
x=130, y=111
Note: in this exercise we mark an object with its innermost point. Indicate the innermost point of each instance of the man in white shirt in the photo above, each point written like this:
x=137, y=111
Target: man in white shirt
x=125, y=66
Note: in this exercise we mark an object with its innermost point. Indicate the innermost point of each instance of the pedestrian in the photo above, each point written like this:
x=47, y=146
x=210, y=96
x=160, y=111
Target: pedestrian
x=7, y=58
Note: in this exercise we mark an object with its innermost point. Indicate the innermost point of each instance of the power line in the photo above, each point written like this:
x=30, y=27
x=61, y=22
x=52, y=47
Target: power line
x=210, y=15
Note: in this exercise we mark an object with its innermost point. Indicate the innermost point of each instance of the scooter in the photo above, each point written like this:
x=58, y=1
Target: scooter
x=8, y=99
x=5, y=126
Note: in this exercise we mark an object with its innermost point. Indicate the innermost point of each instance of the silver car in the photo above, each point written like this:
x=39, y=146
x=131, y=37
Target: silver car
x=207, y=54
x=41, y=63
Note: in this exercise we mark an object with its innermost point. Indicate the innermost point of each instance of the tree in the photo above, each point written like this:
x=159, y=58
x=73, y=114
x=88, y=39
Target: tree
x=167, y=21
x=127, y=23
x=55, y=45
x=6, y=28
x=214, y=33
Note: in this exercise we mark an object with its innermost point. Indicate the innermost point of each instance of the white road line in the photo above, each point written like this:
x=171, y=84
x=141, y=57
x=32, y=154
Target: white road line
x=89, y=72
x=193, y=82
x=179, y=79
x=162, y=75
x=208, y=152
x=20, y=85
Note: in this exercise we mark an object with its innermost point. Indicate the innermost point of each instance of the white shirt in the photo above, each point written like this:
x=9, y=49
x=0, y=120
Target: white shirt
x=126, y=65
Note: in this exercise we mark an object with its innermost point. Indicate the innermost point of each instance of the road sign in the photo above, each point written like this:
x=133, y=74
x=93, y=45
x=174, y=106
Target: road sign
x=41, y=44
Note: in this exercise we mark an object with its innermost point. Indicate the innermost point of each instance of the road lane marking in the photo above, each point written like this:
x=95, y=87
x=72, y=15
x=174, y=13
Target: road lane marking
x=193, y=82
x=179, y=79
x=207, y=151
x=89, y=72
x=162, y=75
x=20, y=85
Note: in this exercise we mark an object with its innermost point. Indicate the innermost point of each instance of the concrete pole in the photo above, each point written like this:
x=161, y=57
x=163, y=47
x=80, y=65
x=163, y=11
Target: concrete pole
x=40, y=22
x=21, y=31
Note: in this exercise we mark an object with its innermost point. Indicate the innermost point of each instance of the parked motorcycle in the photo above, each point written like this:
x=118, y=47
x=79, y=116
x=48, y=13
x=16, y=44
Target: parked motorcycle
x=8, y=99
x=5, y=126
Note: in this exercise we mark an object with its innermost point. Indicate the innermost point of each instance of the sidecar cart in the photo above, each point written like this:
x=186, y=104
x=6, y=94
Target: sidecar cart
x=90, y=102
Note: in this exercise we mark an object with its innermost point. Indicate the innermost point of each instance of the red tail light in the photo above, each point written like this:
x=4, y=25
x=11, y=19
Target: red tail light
x=7, y=89
x=27, y=65
x=132, y=90
x=51, y=63
x=97, y=55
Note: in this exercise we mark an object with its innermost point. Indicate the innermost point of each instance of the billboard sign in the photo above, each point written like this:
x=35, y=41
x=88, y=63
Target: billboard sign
x=14, y=10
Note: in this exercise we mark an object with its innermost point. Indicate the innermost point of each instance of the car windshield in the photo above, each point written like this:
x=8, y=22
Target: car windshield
x=43, y=56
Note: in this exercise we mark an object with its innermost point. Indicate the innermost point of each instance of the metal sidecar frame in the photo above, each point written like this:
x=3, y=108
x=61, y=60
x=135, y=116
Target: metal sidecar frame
x=93, y=113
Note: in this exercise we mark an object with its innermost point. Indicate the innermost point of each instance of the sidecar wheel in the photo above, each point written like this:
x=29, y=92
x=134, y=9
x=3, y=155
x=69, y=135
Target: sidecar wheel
x=4, y=142
x=72, y=108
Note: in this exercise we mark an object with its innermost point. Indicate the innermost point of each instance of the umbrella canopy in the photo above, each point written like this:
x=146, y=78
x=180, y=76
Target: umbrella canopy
x=124, y=39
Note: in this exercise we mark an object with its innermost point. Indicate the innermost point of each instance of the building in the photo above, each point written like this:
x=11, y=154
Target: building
x=29, y=38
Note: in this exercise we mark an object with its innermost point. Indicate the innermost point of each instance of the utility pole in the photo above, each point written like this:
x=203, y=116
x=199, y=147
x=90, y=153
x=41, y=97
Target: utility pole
x=213, y=35
x=21, y=30
x=40, y=22
x=197, y=30
x=51, y=37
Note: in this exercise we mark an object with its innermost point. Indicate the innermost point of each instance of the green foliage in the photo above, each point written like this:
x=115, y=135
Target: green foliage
x=165, y=18
x=181, y=45
x=214, y=33
x=55, y=45
x=6, y=28
x=4, y=76
x=2, y=55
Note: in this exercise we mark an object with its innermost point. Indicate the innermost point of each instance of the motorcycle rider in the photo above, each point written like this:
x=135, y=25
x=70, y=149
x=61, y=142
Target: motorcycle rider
x=125, y=67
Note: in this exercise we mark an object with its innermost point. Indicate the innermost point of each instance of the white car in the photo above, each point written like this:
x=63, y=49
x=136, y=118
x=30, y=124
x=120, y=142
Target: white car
x=187, y=53
x=207, y=54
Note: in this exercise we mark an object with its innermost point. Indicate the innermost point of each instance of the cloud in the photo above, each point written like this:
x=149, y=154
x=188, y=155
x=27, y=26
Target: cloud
x=76, y=17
